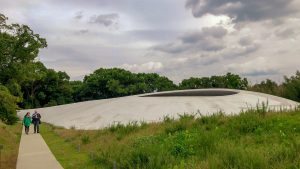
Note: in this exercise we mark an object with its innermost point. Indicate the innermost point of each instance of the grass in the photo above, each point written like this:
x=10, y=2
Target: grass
x=10, y=139
x=251, y=140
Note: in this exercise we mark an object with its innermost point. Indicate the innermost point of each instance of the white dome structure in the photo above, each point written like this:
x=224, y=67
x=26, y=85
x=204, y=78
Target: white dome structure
x=155, y=106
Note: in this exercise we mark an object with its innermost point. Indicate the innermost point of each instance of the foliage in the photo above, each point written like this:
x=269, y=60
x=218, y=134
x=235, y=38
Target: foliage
x=229, y=80
x=24, y=76
x=19, y=46
x=292, y=87
x=267, y=86
x=289, y=89
x=7, y=106
x=85, y=139
x=115, y=82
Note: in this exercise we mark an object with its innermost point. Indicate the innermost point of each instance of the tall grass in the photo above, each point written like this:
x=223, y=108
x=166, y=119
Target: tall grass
x=253, y=139
x=10, y=136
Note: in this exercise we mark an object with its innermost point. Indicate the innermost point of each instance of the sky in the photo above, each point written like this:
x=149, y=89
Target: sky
x=257, y=39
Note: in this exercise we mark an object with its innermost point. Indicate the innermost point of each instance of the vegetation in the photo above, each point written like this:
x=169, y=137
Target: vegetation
x=115, y=82
x=254, y=139
x=290, y=88
x=7, y=106
x=229, y=80
x=10, y=139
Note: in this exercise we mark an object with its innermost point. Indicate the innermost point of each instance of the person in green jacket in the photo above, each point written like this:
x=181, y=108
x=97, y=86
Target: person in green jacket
x=27, y=122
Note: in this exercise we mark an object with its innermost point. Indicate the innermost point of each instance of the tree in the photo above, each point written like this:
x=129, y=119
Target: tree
x=7, y=106
x=19, y=46
x=229, y=80
x=291, y=87
x=115, y=82
x=47, y=86
x=267, y=86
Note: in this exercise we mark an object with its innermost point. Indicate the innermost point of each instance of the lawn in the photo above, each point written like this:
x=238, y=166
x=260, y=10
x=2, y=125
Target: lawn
x=251, y=140
x=10, y=139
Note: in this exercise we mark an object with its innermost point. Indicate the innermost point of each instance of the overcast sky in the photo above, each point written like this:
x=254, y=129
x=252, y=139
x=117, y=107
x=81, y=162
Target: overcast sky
x=257, y=39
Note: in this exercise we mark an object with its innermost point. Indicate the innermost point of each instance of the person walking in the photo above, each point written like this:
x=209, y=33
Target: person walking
x=36, y=120
x=26, y=122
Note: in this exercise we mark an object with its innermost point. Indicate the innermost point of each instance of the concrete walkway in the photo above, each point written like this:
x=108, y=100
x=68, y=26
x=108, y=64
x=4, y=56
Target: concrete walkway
x=34, y=153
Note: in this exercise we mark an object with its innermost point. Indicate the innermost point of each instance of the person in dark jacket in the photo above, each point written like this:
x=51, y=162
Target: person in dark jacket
x=36, y=120
x=26, y=122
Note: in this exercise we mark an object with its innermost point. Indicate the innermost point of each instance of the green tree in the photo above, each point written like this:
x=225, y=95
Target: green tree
x=115, y=82
x=53, y=88
x=7, y=106
x=291, y=87
x=267, y=86
x=19, y=46
x=231, y=81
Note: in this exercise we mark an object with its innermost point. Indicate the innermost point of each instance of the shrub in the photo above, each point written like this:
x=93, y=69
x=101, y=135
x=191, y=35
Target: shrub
x=8, y=106
x=85, y=139
x=122, y=130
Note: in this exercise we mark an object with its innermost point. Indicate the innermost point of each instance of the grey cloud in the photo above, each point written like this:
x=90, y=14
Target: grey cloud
x=78, y=15
x=257, y=66
x=208, y=39
x=105, y=19
x=245, y=41
x=243, y=10
x=160, y=35
x=217, y=32
x=241, y=51
x=261, y=72
x=286, y=33
x=82, y=31
x=171, y=48
x=211, y=44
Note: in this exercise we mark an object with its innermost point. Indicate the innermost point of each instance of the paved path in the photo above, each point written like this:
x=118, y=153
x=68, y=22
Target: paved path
x=34, y=153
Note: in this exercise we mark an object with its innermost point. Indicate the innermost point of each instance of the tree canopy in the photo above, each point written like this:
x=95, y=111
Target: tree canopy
x=115, y=82
x=231, y=81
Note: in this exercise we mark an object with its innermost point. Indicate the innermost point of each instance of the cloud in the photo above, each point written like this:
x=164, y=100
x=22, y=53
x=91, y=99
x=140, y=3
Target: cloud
x=145, y=67
x=258, y=67
x=287, y=33
x=207, y=39
x=216, y=32
x=175, y=44
x=106, y=20
x=247, y=10
x=173, y=48
x=83, y=31
x=245, y=41
x=78, y=15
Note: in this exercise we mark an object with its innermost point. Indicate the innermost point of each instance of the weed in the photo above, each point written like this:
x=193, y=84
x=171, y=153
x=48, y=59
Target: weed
x=85, y=139
x=168, y=119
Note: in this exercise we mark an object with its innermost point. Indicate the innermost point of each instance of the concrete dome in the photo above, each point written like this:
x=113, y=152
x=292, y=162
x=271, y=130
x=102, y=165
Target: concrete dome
x=155, y=106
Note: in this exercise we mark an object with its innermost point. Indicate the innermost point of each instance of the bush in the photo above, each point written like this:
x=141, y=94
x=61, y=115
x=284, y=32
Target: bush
x=122, y=130
x=85, y=139
x=8, y=106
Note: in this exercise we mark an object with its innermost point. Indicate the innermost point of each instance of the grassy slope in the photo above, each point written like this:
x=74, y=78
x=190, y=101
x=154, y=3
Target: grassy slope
x=249, y=140
x=10, y=138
